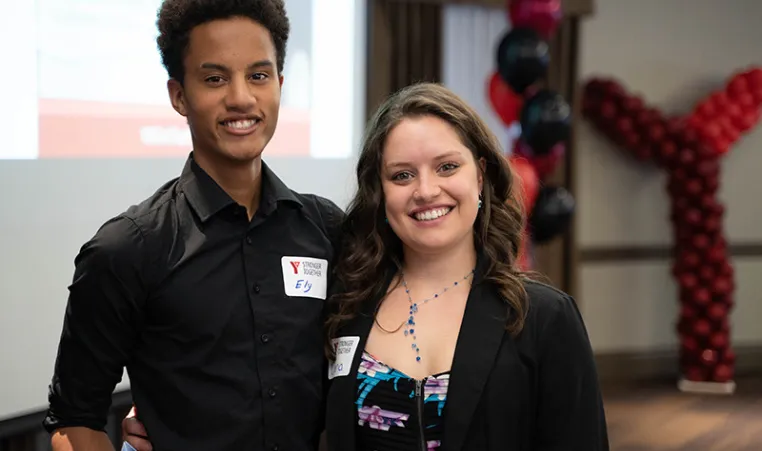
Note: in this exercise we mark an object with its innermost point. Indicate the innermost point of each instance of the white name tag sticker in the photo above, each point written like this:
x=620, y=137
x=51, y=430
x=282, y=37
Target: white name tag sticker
x=305, y=276
x=345, y=348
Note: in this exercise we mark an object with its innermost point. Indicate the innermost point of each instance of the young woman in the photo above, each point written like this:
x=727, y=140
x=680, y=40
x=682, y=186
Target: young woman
x=436, y=340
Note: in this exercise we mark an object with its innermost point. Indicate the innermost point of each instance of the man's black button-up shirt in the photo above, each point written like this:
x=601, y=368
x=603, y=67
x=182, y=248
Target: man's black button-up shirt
x=217, y=319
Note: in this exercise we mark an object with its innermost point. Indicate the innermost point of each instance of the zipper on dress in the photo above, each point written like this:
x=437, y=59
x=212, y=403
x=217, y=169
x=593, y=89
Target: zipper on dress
x=419, y=403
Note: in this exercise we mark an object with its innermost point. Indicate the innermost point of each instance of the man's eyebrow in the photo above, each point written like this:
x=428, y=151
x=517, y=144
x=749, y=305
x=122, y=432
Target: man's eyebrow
x=221, y=67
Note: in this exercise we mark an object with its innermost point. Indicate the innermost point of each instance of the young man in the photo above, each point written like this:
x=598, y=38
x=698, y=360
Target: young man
x=201, y=290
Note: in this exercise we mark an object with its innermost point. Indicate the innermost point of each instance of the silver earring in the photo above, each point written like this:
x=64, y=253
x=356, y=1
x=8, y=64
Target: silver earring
x=479, y=205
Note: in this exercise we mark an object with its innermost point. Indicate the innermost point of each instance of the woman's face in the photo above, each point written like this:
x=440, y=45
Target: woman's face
x=431, y=184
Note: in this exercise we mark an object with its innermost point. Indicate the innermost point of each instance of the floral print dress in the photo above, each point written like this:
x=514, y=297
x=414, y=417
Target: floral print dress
x=397, y=412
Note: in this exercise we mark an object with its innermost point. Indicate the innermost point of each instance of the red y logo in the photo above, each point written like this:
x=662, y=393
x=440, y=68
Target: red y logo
x=295, y=265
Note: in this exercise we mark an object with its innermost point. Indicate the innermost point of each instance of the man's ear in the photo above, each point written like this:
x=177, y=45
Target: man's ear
x=280, y=80
x=177, y=96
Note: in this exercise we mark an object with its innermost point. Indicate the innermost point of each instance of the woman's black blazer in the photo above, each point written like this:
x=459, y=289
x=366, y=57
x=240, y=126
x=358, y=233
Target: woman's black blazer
x=535, y=392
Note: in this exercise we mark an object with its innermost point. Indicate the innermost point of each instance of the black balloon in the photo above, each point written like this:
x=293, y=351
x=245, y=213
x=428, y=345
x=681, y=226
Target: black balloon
x=523, y=58
x=545, y=121
x=552, y=213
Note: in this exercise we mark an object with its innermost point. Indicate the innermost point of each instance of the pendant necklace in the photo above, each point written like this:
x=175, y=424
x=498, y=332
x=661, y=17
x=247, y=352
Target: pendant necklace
x=410, y=323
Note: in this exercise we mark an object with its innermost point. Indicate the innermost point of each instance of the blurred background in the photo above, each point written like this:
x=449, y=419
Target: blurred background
x=632, y=126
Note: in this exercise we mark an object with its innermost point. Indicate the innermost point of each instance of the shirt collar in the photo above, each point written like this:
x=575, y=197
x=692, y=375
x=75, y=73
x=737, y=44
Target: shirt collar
x=207, y=198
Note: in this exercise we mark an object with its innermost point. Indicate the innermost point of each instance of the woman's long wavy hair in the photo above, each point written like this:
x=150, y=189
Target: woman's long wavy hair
x=371, y=253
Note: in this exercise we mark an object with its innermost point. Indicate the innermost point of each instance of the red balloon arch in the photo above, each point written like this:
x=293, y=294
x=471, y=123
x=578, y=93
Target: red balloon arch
x=689, y=149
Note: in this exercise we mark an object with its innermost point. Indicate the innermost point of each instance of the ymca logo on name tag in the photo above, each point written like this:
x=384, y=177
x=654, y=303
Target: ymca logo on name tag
x=305, y=276
x=344, y=348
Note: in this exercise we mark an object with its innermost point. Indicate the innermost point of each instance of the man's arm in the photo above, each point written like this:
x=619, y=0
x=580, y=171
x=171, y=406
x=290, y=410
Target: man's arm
x=100, y=328
x=80, y=438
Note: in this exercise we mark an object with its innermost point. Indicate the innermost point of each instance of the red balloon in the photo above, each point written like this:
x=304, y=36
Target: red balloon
x=632, y=104
x=507, y=104
x=543, y=16
x=700, y=241
x=643, y=153
x=668, y=150
x=712, y=129
x=719, y=340
x=624, y=125
x=746, y=121
x=695, y=374
x=702, y=328
x=738, y=86
x=716, y=255
x=757, y=94
x=754, y=78
x=707, y=168
x=706, y=109
x=608, y=110
x=689, y=259
x=717, y=312
x=729, y=357
x=694, y=187
x=722, y=373
x=631, y=140
x=527, y=180
x=733, y=111
x=706, y=273
x=701, y=296
x=693, y=217
x=722, y=286
x=656, y=133
x=709, y=357
x=688, y=281
x=688, y=312
x=544, y=165
x=689, y=344
x=721, y=99
x=746, y=100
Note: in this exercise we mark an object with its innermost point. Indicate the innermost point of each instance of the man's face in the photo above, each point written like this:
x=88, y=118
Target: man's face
x=231, y=91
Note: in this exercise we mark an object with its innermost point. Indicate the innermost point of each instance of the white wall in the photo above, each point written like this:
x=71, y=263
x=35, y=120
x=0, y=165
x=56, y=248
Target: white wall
x=469, y=41
x=673, y=52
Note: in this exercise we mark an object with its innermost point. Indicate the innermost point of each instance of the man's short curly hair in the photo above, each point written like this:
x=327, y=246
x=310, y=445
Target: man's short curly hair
x=177, y=18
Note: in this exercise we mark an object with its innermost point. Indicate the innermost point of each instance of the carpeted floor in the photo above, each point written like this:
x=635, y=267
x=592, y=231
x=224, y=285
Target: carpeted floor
x=658, y=417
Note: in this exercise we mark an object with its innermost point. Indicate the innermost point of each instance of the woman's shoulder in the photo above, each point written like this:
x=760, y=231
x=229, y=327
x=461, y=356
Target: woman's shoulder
x=545, y=298
x=551, y=310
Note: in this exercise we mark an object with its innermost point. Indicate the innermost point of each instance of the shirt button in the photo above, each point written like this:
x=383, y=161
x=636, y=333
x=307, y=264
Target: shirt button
x=248, y=240
x=256, y=288
x=265, y=338
x=275, y=448
x=272, y=393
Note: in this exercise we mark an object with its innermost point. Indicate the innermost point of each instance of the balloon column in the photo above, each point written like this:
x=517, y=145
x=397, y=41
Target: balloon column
x=517, y=93
x=690, y=148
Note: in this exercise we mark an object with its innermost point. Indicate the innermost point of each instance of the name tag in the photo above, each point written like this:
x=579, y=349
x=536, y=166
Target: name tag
x=305, y=276
x=345, y=348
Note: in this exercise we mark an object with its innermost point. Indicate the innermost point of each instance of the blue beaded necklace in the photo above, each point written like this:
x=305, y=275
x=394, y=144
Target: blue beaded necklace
x=410, y=323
